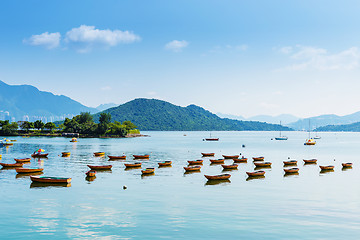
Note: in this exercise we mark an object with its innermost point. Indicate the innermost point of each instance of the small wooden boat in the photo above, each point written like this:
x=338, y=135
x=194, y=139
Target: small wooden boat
x=345, y=165
x=141, y=156
x=217, y=160
x=258, y=158
x=290, y=162
x=132, y=165
x=13, y=140
x=256, y=173
x=18, y=160
x=199, y=162
x=50, y=179
x=291, y=170
x=7, y=143
x=262, y=164
x=232, y=166
x=192, y=168
x=211, y=139
x=9, y=165
x=39, y=155
x=100, y=167
x=230, y=156
x=65, y=154
x=164, y=164
x=240, y=160
x=29, y=170
x=208, y=154
x=148, y=171
x=73, y=140
x=310, y=160
x=329, y=167
x=91, y=173
x=99, y=154
x=123, y=157
x=218, y=177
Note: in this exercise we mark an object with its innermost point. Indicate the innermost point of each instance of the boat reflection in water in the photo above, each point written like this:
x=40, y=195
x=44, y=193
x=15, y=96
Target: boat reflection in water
x=90, y=179
x=24, y=175
x=217, y=182
x=254, y=177
x=46, y=185
x=289, y=174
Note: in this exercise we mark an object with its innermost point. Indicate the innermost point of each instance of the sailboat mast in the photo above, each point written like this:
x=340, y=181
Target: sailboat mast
x=280, y=128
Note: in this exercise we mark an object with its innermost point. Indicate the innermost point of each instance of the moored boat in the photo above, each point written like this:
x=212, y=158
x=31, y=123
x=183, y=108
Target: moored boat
x=100, y=167
x=145, y=156
x=258, y=158
x=164, y=164
x=99, y=154
x=230, y=156
x=200, y=162
x=345, y=165
x=9, y=165
x=29, y=170
x=329, y=167
x=73, y=140
x=217, y=160
x=310, y=160
x=148, y=171
x=290, y=162
x=240, y=160
x=65, y=154
x=132, y=165
x=232, y=166
x=262, y=164
x=208, y=154
x=218, y=177
x=18, y=160
x=211, y=139
x=91, y=173
x=123, y=157
x=39, y=155
x=50, y=179
x=192, y=168
x=256, y=173
x=291, y=170
x=310, y=141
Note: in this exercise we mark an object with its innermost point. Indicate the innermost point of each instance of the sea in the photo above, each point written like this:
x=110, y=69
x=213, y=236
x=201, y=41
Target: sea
x=174, y=205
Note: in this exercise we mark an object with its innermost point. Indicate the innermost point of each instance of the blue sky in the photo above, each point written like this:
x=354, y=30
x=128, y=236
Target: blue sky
x=236, y=57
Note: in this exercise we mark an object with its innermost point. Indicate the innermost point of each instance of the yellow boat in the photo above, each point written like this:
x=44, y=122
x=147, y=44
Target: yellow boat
x=73, y=140
x=310, y=142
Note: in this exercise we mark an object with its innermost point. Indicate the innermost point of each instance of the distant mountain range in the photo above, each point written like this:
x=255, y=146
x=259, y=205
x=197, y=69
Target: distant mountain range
x=324, y=120
x=284, y=118
x=153, y=114
x=353, y=127
x=105, y=106
x=20, y=102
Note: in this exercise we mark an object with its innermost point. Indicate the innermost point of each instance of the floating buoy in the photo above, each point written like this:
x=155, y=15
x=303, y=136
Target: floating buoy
x=124, y=187
x=243, y=145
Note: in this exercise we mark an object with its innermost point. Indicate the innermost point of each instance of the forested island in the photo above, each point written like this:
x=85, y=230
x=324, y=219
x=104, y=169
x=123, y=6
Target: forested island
x=83, y=124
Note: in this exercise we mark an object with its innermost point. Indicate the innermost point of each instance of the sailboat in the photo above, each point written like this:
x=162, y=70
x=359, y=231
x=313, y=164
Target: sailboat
x=281, y=137
x=310, y=141
x=211, y=139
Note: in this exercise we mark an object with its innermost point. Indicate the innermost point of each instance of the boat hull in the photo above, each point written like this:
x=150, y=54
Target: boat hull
x=217, y=160
x=141, y=156
x=194, y=168
x=39, y=155
x=117, y=157
x=29, y=170
x=327, y=167
x=240, y=160
x=103, y=167
x=230, y=156
x=208, y=154
x=99, y=154
x=310, y=160
x=255, y=174
x=148, y=171
x=258, y=158
x=291, y=170
x=10, y=165
x=346, y=165
x=132, y=165
x=197, y=162
x=292, y=162
x=165, y=164
x=262, y=164
x=50, y=179
x=218, y=177
x=19, y=160
x=233, y=166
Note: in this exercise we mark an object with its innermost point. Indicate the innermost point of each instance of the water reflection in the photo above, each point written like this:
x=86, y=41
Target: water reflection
x=145, y=175
x=49, y=185
x=346, y=168
x=254, y=177
x=324, y=171
x=25, y=175
x=261, y=167
x=291, y=174
x=217, y=182
x=90, y=179
x=191, y=172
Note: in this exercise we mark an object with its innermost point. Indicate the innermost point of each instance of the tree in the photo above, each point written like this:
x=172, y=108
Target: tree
x=50, y=125
x=104, y=121
x=27, y=126
x=117, y=128
x=8, y=128
x=84, y=117
x=38, y=124
x=129, y=125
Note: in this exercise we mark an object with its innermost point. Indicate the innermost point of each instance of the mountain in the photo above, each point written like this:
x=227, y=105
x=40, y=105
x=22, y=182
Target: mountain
x=353, y=127
x=284, y=118
x=153, y=114
x=105, y=106
x=26, y=100
x=324, y=120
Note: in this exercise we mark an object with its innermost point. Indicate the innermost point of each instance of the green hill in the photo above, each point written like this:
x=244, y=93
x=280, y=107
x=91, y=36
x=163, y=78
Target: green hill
x=354, y=127
x=157, y=115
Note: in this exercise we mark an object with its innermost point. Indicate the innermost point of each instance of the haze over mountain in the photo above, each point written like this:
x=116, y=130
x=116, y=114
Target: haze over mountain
x=23, y=102
x=153, y=114
x=284, y=118
x=105, y=106
x=324, y=120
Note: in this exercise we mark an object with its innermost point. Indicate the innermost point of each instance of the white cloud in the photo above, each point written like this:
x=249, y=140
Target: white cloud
x=47, y=40
x=305, y=57
x=106, y=88
x=176, y=46
x=85, y=38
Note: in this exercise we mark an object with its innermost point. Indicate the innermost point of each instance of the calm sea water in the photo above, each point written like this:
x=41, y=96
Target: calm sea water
x=174, y=205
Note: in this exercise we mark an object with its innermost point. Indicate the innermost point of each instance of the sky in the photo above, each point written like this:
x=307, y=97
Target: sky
x=235, y=57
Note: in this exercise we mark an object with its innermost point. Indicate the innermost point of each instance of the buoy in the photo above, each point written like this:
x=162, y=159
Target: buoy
x=243, y=145
x=124, y=187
